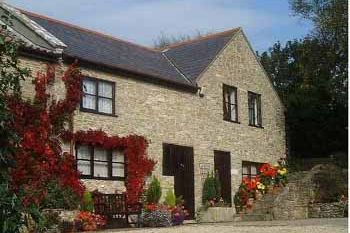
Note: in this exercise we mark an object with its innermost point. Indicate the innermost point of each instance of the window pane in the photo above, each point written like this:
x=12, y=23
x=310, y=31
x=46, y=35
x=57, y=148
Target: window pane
x=118, y=156
x=89, y=87
x=255, y=111
x=233, y=96
x=105, y=89
x=233, y=112
x=245, y=169
x=100, y=154
x=118, y=170
x=89, y=102
x=83, y=152
x=84, y=167
x=105, y=105
x=253, y=170
x=100, y=169
x=251, y=116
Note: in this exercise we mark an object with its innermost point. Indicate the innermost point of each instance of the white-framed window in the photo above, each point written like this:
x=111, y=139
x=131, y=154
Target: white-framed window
x=98, y=96
x=97, y=163
x=230, y=103
x=254, y=109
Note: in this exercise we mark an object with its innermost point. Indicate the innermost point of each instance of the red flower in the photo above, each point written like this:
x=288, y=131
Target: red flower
x=268, y=170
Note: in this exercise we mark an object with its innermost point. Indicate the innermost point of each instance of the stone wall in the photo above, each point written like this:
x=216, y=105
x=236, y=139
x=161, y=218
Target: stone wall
x=327, y=210
x=167, y=115
x=298, y=200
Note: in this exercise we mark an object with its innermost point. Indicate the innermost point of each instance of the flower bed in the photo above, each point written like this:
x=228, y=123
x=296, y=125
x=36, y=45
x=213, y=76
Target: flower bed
x=269, y=179
x=162, y=215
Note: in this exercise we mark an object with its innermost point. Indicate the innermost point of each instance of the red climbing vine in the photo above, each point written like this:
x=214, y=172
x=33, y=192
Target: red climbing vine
x=138, y=165
x=39, y=124
x=42, y=124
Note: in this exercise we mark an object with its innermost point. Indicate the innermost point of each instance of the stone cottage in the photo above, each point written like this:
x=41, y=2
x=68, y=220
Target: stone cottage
x=203, y=105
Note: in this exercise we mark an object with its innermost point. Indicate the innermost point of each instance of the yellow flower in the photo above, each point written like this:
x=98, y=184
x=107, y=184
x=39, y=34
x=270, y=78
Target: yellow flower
x=282, y=171
x=260, y=185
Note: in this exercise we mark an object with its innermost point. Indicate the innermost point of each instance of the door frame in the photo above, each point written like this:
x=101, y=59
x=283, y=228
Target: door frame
x=183, y=151
x=229, y=188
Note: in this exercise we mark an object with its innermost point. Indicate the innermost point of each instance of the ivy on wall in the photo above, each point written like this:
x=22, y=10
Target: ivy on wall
x=138, y=165
x=39, y=124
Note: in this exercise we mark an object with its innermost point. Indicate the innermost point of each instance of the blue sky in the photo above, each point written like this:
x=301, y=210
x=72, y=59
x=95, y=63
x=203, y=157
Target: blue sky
x=142, y=21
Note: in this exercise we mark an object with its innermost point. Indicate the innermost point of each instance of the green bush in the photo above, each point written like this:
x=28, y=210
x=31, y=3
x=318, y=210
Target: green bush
x=211, y=188
x=11, y=210
x=59, y=197
x=154, y=191
x=330, y=184
x=88, y=202
x=170, y=198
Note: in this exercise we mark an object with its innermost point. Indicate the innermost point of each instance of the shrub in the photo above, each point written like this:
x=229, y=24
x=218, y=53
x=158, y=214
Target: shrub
x=170, y=199
x=88, y=202
x=11, y=208
x=89, y=221
x=211, y=188
x=179, y=213
x=59, y=197
x=154, y=191
x=330, y=184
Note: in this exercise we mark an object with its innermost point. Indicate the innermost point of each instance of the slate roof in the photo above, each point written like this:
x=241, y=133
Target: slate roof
x=193, y=57
x=181, y=63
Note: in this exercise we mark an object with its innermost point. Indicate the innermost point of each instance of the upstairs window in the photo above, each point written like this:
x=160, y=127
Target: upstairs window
x=98, y=163
x=254, y=109
x=98, y=96
x=230, y=103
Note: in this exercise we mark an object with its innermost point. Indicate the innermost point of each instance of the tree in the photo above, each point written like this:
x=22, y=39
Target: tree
x=164, y=40
x=10, y=76
x=311, y=77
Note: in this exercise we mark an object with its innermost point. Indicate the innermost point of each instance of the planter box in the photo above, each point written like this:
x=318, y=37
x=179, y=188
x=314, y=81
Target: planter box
x=218, y=214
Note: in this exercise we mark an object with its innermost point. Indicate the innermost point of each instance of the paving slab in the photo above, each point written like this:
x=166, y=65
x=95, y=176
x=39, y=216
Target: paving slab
x=324, y=225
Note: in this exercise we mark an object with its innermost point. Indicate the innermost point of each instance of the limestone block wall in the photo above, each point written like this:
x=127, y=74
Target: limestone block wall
x=167, y=115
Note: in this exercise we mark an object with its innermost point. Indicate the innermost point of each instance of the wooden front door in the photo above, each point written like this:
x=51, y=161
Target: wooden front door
x=178, y=162
x=222, y=163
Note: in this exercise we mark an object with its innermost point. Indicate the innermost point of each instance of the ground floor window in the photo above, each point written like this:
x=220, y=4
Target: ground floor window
x=250, y=169
x=98, y=163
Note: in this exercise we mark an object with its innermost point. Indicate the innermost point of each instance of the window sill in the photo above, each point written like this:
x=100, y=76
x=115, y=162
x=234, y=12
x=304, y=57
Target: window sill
x=257, y=126
x=102, y=178
x=97, y=113
x=228, y=120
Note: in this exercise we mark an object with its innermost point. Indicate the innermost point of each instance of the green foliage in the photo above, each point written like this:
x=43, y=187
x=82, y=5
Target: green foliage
x=154, y=191
x=170, y=199
x=88, y=202
x=330, y=184
x=311, y=76
x=211, y=188
x=179, y=200
x=10, y=76
x=59, y=197
x=10, y=210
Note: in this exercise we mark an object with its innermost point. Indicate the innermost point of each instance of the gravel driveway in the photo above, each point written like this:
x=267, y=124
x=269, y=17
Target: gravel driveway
x=335, y=225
